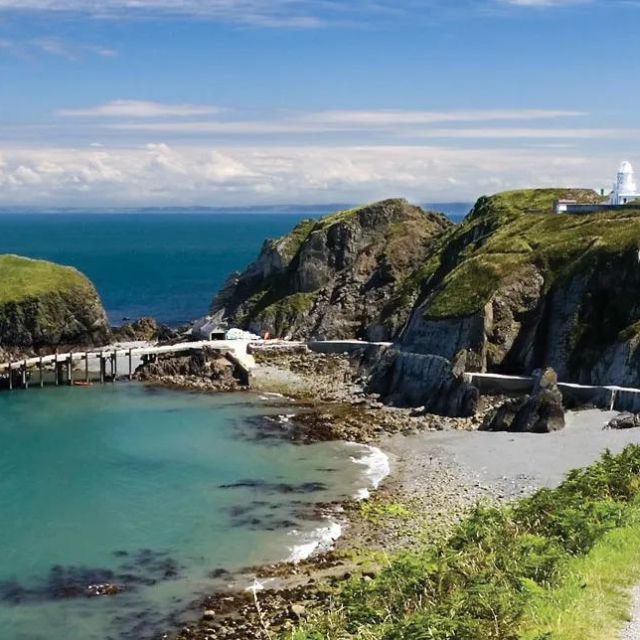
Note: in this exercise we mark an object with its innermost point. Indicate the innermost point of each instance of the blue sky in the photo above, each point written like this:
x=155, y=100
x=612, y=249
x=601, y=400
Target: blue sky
x=232, y=102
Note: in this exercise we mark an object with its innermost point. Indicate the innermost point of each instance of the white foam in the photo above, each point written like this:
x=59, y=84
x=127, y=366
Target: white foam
x=321, y=539
x=377, y=466
x=256, y=585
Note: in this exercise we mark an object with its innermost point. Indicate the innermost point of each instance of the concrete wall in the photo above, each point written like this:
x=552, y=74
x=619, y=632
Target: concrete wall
x=344, y=346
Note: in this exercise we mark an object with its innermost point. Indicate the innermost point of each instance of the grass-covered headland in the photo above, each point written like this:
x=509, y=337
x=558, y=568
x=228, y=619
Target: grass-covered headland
x=554, y=566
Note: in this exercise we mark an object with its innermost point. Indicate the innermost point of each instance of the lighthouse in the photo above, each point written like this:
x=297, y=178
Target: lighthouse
x=625, y=188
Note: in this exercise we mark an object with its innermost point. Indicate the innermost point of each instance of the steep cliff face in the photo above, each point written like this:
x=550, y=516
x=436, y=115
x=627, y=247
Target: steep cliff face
x=43, y=305
x=337, y=277
x=518, y=287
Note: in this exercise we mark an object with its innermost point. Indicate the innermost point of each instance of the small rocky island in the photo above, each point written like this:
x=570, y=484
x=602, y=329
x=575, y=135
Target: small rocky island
x=44, y=306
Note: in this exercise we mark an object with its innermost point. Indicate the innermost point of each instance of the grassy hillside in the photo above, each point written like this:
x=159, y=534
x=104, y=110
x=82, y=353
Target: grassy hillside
x=43, y=304
x=22, y=278
x=509, y=232
x=549, y=567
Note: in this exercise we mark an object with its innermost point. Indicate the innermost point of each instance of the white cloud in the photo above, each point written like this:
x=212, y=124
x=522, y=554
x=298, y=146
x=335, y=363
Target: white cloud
x=139, y=109
x=267, y=13
x=388, y=118
x=54, y=46
x=507, y=133
x=165, y=174
x=404, y=123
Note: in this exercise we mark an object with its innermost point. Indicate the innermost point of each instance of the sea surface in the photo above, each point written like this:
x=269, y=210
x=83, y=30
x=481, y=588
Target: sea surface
x=161, y=263
x=159, y=491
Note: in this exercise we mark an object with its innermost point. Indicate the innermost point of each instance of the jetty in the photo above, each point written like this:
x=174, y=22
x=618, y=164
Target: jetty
x=109, y=363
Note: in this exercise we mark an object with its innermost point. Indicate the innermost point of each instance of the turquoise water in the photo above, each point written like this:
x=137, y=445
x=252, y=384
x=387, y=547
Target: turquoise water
x=155, y=490
x=167, y=265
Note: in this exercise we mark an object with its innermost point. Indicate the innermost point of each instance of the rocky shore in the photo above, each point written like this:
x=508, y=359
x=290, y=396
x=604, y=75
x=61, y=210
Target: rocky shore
x=422, y=498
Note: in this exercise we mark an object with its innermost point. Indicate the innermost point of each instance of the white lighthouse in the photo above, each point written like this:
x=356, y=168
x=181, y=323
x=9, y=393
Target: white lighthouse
x=625, y=188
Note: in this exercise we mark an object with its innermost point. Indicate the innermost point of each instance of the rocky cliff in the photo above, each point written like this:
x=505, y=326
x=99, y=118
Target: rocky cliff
x=44, y=305
x=517, y=287
x=513, y=288
x=337, y=277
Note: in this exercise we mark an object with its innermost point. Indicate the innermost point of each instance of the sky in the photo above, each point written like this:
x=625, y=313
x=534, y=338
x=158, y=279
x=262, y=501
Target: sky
x=247, y=102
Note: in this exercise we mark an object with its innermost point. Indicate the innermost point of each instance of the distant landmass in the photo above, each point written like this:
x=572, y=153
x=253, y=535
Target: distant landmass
x=455, y=210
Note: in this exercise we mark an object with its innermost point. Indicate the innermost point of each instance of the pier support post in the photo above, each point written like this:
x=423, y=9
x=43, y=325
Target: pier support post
x=70, y=370
x=102, y=367
x=114, y=366
x=25, y=383
x=40, y=369
x=86, y=367
x=56, y=370
x=10, y=376
x=130, y=364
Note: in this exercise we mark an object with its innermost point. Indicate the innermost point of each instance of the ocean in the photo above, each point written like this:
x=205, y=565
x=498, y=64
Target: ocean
x=161, y=492
x=162, y=263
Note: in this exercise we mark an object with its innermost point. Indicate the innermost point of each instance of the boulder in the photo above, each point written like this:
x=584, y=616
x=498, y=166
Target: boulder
x=624, y=421
x=541, y=412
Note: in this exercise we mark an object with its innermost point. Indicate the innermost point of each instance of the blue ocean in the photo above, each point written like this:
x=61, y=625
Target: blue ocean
x=161, y=263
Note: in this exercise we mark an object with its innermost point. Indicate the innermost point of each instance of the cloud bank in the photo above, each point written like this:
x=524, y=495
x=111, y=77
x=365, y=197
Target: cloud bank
x=164, y=174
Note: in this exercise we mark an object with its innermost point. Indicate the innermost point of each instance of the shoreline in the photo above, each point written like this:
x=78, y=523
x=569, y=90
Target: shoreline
x=435, y=479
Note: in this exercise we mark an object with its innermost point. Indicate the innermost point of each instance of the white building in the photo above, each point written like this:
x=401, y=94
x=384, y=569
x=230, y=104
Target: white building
x=625, y=188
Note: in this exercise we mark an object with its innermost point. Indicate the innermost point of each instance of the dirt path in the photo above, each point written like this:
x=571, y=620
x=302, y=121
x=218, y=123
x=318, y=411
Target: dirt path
x=631, y=630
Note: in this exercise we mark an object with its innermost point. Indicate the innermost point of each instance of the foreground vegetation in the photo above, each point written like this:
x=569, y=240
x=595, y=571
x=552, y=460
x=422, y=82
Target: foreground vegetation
x=554, y=566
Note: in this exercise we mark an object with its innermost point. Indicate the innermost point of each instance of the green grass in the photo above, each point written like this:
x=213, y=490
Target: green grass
x=292, y=242
x=507, y=234
x=550, y=567
x=22, y=279
x=593, y=600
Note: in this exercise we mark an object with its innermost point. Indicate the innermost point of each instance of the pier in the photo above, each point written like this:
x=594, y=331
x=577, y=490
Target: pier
x=109, y=364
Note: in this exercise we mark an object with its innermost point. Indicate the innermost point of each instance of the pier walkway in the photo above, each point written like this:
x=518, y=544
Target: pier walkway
x=81, y=366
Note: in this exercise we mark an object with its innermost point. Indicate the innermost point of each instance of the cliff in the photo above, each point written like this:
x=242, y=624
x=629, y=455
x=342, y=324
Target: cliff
x=516, y=287
x=43, y=305
x=513, y=288
x=334, y=277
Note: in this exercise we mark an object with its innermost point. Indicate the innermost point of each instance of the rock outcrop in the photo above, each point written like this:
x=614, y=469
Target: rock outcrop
x=541, y=412
x=416, y=380
x=518, y=287
x=45, y=305
x=206, y=369
x=144, y=329
x=515, y=287
x=625, y=420
x=337, y=277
